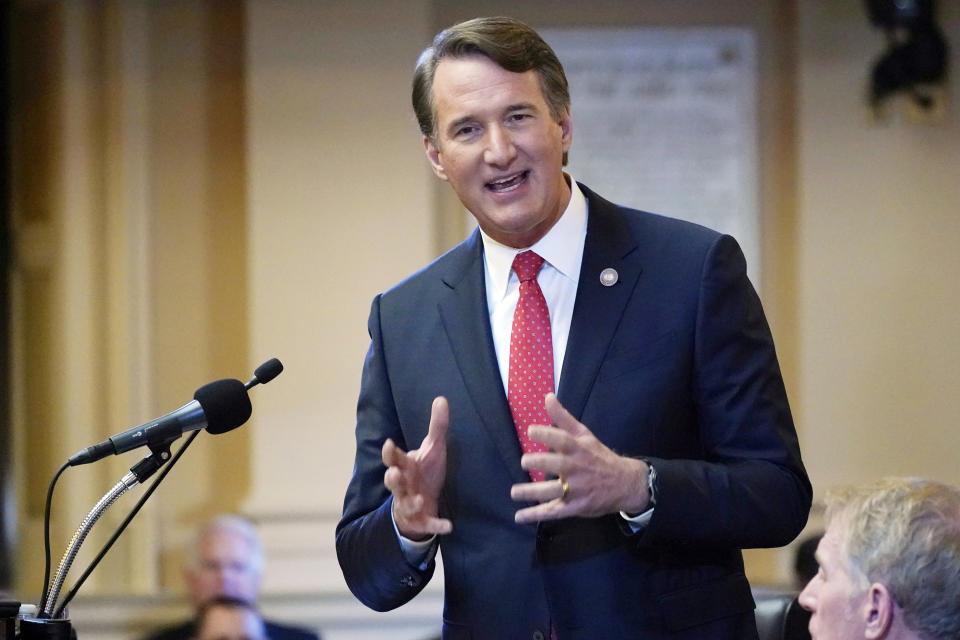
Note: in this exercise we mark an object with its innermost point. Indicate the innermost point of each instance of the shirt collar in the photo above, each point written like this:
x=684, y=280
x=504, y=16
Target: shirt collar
x=561, y=247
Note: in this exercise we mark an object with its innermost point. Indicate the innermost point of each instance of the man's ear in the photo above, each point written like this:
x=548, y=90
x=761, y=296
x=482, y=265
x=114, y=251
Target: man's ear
x=566, y=129
x=433, y=155
x=878, y=611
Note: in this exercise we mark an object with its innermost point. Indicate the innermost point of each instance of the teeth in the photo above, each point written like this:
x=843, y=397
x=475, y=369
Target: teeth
x=507, y=184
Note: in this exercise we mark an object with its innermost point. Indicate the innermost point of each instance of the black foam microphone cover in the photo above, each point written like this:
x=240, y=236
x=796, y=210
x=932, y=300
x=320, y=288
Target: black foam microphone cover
x=225, y=403
x=268, y=370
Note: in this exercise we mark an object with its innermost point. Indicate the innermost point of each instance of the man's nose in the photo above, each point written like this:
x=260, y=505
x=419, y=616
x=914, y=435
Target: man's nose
x=226, y=573
x=500, y=150
x=222, y=575
x=806, y=599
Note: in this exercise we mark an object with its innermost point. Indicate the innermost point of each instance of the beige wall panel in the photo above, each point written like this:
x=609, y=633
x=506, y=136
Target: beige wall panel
x=340, y=209
x=879, y=224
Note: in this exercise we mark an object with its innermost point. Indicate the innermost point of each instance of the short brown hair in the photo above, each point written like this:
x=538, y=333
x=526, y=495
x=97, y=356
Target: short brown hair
x=510, y=43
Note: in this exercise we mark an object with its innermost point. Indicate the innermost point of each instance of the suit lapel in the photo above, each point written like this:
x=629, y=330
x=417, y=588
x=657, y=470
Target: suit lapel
x=463, y=311
x=598, y=309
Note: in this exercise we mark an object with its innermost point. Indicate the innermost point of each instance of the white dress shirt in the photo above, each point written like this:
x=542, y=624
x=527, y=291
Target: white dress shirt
x=562, y=251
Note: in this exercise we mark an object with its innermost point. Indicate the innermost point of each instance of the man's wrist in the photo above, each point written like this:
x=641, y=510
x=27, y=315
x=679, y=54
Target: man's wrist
x=418, y=553
x=644, y=486
x=636, y=522
x=397, y=525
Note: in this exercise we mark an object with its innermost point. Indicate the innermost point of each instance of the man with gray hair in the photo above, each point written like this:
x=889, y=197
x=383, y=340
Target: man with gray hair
x=889, y=563
x=226, y=561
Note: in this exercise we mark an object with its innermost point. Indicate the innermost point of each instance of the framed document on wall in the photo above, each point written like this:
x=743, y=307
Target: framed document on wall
x=665, y=120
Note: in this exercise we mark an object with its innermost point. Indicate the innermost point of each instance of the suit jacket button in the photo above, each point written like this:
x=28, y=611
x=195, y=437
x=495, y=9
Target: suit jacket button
x=538, y=635
x=408, y=580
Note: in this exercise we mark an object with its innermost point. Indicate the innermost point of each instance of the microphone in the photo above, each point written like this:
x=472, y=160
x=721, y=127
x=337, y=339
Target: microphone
x=265, y=373
x=219, y=406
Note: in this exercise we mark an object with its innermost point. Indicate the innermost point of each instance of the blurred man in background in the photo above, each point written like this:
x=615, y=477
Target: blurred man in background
x=226, y=560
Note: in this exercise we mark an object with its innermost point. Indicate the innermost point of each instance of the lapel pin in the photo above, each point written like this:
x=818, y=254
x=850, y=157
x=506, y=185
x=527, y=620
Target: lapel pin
x=609, y=277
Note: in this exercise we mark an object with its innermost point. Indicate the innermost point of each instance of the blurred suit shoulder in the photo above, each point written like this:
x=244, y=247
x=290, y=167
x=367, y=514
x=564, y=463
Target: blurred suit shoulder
x=276, y=631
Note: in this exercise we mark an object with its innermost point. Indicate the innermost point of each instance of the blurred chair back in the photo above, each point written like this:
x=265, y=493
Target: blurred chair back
x=780, y=617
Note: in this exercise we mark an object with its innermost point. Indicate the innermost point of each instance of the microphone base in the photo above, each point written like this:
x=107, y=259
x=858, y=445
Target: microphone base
x=45, y=629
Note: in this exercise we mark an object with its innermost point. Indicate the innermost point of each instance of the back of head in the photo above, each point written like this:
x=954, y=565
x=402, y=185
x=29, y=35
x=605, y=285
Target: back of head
x=905, y=534
x=509, y=42
x=225, y=618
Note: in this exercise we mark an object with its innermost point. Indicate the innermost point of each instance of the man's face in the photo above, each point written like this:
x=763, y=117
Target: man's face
x=833, y=596
x=499, y=148
x=231, y=623
x=224, y=568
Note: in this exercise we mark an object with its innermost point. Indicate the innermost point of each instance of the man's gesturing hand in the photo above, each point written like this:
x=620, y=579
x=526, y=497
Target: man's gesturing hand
x=598, y=480
x=416, y=478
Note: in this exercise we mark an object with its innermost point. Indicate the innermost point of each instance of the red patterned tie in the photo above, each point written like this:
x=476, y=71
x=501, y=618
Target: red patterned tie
x=530, y=377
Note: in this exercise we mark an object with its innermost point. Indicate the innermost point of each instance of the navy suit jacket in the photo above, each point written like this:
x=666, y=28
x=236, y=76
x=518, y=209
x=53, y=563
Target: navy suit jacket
x=674, y=363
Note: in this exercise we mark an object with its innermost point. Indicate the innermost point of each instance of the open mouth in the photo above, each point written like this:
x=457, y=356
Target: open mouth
x=509, y=183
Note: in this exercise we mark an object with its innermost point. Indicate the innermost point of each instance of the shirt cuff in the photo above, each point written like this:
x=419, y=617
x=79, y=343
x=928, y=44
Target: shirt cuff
x=639, y=522
x=418, y=553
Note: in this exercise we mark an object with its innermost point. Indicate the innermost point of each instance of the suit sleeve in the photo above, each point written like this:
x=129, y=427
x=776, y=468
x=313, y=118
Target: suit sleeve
x=369, y=552
x=750, y=488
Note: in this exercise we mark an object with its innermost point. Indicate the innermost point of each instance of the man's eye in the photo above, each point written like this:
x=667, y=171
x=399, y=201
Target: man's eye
x=466, y=131
x=519, y=118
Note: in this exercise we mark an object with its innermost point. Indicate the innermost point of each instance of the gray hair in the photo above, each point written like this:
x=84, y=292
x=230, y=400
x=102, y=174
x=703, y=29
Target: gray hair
x=905, y=534
x=232, y=524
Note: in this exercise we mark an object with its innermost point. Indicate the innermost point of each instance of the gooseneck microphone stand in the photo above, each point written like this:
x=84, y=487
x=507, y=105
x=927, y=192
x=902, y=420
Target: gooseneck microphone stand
x=126, y=483
x=137, y=474
x=217, y=407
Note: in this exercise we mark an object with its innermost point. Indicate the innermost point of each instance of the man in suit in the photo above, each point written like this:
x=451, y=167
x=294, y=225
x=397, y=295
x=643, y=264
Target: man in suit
x=226, y=561
x=672, y=445
x=889, y=563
